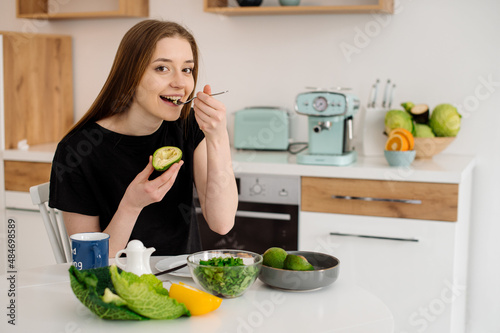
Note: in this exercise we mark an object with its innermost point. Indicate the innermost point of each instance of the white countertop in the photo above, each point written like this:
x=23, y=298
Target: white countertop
x=442, y=168
x=36, y=153
x=45, y=303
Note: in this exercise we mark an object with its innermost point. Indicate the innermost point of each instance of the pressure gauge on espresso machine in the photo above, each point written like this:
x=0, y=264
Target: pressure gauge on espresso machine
x=320, y=104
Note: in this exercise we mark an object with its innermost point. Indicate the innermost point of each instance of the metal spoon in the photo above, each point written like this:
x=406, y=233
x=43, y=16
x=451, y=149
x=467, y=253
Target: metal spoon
x=178, y=102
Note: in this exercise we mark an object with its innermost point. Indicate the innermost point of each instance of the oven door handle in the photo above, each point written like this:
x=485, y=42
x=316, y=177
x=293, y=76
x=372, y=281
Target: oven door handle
x=263, y=215
x=258, y=215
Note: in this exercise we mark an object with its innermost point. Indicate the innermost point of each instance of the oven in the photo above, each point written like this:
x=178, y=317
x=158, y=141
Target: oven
x=267, y=215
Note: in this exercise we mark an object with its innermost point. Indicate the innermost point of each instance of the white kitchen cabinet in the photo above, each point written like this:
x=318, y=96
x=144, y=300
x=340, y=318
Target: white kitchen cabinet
x=422, y=279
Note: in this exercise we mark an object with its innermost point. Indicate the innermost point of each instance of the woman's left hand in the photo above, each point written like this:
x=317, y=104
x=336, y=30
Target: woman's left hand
x=210, y=113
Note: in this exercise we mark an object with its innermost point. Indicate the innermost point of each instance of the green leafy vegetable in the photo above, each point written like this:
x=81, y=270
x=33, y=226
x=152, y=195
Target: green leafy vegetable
x=423, y=131
x=407, y=106
x=398, y=119
x=89, y=285
x=111, y=293
x=445, y=120
x=110, y=297
x=227, y=277
x=221, y=262
x=146, y=296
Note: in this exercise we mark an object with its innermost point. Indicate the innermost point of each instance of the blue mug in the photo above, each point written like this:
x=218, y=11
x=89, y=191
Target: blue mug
x=90, y=250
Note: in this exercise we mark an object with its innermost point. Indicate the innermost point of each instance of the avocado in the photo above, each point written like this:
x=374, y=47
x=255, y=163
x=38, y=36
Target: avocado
x=274, y=257
x=297, y=263
x=164, y=157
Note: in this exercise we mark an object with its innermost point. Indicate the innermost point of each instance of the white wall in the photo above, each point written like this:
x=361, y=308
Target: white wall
x=436, y=51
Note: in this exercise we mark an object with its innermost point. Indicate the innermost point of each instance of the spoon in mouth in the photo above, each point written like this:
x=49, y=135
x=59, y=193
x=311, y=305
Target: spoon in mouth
x=178, y=102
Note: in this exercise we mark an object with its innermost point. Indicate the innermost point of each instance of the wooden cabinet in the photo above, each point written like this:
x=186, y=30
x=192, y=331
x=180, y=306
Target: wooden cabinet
x=221, y=7
x=36, y=105
x=39, y=9
x=36, y=81
x=36, y=102
x=21, y=175
x=418, y=200
x=405, y=253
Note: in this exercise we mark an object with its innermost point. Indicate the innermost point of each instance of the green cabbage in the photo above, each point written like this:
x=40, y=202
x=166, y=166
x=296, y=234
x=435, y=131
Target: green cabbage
x=118, y=295
x=423, y=131
x=445, y=120
x=89, y=285
x=398, y=119
x=146, y=296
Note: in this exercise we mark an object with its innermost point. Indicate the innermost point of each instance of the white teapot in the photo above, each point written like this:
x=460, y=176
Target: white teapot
x=138, y=258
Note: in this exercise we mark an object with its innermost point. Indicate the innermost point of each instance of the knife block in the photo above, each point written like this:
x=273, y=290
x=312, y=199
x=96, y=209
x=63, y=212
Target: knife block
x=372, y=137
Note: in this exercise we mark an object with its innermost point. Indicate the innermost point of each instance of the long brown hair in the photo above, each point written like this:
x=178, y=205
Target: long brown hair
x=132, y=58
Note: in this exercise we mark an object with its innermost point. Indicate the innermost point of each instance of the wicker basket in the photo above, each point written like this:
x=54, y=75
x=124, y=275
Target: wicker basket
x=428, y=147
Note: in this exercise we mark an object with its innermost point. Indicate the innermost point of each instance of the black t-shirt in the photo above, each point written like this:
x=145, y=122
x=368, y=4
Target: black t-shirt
x=93, y=167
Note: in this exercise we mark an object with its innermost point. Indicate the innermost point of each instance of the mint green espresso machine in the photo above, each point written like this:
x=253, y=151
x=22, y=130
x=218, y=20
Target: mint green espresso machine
x=330, y=122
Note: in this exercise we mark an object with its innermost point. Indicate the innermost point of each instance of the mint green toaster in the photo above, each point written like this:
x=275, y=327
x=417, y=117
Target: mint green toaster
x=262, y=128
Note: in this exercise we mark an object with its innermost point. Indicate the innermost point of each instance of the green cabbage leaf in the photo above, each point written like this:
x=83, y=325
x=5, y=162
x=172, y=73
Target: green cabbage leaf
x=146, y=296
x=113, y=294
x=89, y=286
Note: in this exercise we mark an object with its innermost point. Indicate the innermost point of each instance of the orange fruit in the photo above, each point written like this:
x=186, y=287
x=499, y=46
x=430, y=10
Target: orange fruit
x=407, y=134
x=397, y=141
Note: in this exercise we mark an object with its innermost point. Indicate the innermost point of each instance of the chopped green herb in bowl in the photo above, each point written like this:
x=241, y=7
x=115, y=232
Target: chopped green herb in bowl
x=225, y=273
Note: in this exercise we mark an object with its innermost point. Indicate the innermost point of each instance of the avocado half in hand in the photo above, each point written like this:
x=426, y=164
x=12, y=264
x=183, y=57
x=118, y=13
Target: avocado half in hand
x=164, y=157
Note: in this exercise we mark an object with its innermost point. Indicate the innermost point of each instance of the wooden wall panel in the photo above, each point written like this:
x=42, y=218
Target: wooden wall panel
x=38, y=83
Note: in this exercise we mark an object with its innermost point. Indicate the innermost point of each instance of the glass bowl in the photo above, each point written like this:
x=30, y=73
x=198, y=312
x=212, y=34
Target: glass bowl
x=225, y=281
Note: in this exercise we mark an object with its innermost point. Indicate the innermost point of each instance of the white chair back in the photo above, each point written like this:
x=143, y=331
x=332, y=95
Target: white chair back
x=53, y=222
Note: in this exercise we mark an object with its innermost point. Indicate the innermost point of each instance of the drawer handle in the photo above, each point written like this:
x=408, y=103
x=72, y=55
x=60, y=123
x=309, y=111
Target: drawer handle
x=348, y=197
x=375, y=237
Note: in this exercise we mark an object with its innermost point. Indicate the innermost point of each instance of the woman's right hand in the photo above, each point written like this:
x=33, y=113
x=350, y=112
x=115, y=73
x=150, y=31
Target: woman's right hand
x=142, y=192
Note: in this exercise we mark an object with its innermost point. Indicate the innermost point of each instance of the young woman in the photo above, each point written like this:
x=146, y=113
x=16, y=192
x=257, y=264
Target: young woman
x=102, y=175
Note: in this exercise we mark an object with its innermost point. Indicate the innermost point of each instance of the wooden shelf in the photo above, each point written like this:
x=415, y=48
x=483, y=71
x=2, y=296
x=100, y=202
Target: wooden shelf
x=39, y=9
x=221, y=7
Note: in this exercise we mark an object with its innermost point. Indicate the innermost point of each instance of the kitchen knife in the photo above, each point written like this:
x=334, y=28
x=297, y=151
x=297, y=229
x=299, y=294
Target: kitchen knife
x=391, y=95
x=373, y=99
x=372, y=96
x=386, y=92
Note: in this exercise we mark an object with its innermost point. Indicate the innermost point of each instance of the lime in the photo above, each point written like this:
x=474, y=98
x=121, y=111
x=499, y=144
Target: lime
x=164, y=157
x=274, y=257
x=297, y=263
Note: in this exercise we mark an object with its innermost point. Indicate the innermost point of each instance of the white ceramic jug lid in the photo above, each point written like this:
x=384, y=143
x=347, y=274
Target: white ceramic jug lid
x=135, y=245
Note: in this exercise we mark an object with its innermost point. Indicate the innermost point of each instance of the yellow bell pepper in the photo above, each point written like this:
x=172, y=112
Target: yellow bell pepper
x=197, y=301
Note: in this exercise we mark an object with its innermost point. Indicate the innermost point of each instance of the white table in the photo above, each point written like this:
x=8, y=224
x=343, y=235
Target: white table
x=45, y=303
